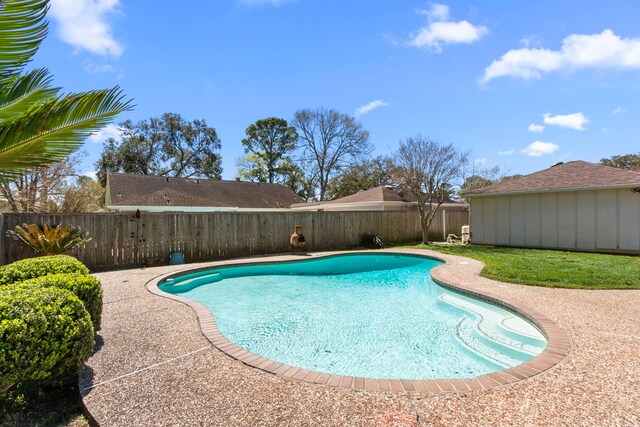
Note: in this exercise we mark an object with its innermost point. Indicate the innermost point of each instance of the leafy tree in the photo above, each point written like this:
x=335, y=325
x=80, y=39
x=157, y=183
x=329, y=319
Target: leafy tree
x=510, y=177
x=252, y=168
x=429, y=169
x=164, y=146
x=474, y=182
x=38, y=125
x=481, y=178
x=630, y=162
x=86, y=195
x=268, y=143
x=484, y=178
x=295, y=178
x=362, y=176
x=330, y=141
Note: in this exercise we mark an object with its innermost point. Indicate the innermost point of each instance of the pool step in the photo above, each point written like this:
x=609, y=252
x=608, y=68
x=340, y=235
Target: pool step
x=468, y=340
x=187, y=283
x=522, y=330
x=490, y=337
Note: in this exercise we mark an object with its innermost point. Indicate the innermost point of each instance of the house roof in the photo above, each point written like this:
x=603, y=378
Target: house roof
x=372, y=195
x=146, y=190
x=576, y=175
x=378, y=194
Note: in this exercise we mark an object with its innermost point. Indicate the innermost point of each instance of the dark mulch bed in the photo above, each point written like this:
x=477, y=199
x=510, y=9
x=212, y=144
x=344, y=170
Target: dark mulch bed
x=28, y=405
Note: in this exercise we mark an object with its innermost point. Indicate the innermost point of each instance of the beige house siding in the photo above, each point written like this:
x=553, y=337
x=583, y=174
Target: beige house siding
x=588, y=220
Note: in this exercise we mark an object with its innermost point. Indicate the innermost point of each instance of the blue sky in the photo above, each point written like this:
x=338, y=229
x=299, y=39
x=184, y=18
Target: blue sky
x=522, y=85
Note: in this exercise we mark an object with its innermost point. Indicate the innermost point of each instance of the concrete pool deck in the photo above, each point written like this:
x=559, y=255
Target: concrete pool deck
x=155, y=367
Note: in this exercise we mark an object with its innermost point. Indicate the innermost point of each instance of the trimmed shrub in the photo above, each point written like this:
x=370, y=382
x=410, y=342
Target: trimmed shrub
x=45, y=334
x=31, y=268
x=85, y=287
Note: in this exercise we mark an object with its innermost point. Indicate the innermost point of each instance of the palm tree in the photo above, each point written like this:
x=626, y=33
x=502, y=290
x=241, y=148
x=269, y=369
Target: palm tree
x=38, y=124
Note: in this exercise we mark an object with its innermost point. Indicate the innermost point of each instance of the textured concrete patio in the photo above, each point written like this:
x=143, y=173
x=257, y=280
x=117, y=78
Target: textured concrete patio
x=155, y=367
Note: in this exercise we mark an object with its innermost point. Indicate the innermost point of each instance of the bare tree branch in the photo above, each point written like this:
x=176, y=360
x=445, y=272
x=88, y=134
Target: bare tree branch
x=330, y=141
x=429, y=169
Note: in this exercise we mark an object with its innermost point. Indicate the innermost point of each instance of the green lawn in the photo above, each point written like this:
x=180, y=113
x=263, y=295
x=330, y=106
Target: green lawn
x=551, y=268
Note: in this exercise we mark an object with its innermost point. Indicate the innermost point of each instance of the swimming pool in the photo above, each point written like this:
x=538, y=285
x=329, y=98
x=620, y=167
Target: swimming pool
x=361, y=315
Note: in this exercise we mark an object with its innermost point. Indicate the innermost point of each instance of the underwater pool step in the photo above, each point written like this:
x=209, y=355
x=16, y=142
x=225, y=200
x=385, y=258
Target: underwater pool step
x=514, y=345
x=469, y=339
x=185, y=285
x=469, y=342
x=520, y=329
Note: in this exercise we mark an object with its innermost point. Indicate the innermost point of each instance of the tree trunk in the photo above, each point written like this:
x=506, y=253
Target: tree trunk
x=424, y=225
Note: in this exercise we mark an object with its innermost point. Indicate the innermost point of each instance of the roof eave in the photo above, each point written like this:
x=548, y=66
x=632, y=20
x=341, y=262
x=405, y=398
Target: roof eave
x=551, y=190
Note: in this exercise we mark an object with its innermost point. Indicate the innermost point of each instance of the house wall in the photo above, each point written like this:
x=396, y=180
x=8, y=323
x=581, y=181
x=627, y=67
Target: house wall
x=590, y=220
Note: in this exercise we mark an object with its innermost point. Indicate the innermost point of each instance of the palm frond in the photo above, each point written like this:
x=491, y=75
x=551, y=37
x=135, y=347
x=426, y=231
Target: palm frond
x=48, y=240
x=22, y=29
x=52, y=130
x=25, y=91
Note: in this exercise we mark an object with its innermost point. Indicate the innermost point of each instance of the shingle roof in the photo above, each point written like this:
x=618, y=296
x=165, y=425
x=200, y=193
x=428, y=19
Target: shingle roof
x=374, y=194
x=146, y=190
x=378, y=194
x=577, y=175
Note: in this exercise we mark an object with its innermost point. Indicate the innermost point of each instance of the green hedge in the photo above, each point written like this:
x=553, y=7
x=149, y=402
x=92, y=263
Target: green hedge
x=31, y=268
x=85, y=287
x=45, y=334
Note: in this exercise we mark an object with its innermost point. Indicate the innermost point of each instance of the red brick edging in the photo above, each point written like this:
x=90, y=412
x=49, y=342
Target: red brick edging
x=557, y=348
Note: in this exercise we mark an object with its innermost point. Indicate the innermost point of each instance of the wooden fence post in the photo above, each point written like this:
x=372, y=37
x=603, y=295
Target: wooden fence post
x=444, y=225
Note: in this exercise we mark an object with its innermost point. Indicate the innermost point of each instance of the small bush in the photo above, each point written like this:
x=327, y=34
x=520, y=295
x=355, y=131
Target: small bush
x=369, y=240
x=31, y=268
x=50, y=240
x=85, y=287
x=45, y=334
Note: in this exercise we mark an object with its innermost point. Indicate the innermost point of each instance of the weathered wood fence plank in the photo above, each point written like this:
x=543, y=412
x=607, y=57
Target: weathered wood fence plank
x=121, y=240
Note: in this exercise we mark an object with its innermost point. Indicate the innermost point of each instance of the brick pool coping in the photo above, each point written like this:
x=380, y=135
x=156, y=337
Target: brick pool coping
x=452, y=274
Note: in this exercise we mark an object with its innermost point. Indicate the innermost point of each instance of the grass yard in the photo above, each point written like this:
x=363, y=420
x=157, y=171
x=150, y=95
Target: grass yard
x=551, y=268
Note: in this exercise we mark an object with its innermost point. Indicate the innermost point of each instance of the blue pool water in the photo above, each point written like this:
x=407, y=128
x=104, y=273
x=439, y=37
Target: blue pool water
x=365, y=315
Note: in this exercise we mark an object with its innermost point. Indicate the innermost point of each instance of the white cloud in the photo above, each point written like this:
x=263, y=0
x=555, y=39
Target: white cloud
x=507, y=152
x=109, y=131
x=573, y=121
x=539, y=148
x=481, y=161
x=619, y=110
x=361, y=111
x=531, y=40
x=83, y=24
x=535, y=128
x=395, y=41
x=441, y=30
x=93, y=68
x=578, y=51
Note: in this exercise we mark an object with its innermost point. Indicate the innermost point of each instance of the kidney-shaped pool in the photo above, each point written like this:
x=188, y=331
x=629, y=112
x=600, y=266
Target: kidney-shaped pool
x=361, y=315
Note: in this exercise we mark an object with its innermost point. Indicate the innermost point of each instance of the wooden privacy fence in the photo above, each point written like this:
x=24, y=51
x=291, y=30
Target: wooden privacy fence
x=126, y=240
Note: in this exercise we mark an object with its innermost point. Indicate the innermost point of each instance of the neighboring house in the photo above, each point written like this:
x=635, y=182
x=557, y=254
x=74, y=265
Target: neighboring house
x=129, y=192
x=382, y=198
x=575, y=205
